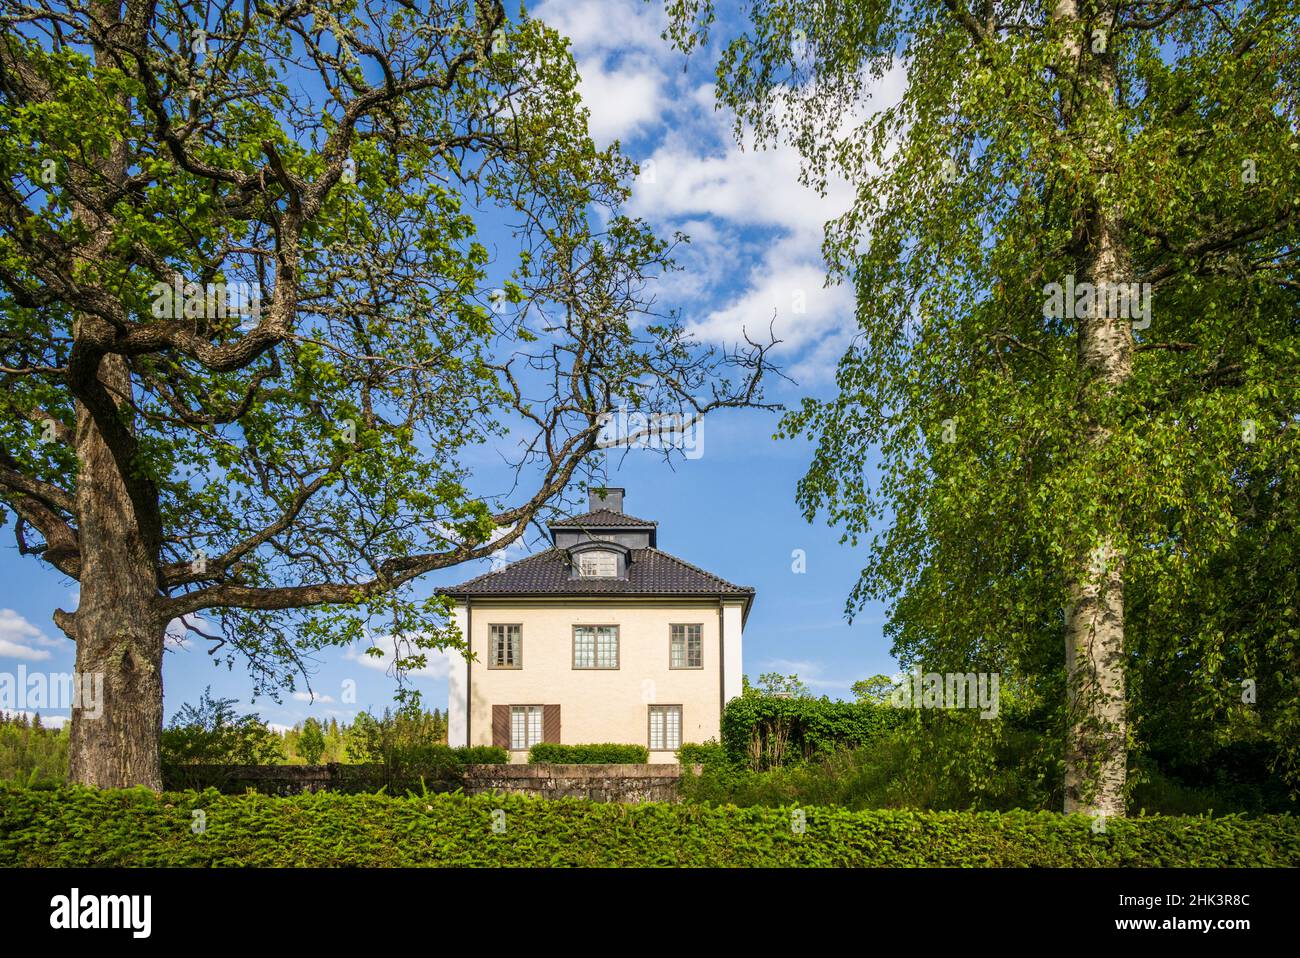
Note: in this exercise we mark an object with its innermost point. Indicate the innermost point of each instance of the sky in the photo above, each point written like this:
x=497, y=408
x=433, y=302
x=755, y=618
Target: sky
x=753, y=259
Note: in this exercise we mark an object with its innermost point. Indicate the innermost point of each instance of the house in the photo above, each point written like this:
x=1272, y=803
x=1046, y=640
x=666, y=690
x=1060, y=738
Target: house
x=603, y=637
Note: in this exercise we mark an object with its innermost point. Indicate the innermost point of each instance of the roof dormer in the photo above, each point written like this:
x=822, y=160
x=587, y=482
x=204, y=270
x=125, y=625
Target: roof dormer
x=595, y=559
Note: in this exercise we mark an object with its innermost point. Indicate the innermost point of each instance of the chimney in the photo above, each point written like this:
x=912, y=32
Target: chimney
x=606, y=498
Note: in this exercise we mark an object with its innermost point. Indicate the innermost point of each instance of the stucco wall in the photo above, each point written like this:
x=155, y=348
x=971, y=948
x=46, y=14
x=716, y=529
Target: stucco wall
x=600, y=705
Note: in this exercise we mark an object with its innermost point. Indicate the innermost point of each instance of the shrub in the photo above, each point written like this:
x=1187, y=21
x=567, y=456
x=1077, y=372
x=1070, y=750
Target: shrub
x=84, y=827
x=764, y=731
x=210, y=733
x=603, y=754
x=482, y=755
x=702, y=753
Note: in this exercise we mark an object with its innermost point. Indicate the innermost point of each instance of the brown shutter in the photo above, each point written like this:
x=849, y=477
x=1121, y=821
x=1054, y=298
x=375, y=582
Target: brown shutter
x=551, y=724
x=501, y=726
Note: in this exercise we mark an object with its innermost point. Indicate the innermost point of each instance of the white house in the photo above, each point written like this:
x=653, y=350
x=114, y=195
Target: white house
x=601, y=638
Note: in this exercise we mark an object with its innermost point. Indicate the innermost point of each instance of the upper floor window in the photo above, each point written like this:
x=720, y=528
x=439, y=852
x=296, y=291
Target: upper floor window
x=686, y=647
x=597, y=565
x=505, y=646
x=595, y=646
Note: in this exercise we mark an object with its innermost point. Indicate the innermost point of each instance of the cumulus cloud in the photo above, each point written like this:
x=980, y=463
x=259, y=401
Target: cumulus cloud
x=20, y=639
x=438, y=660
x=304, y=696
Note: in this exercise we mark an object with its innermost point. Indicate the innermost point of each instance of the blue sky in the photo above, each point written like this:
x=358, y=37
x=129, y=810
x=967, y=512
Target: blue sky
x=754, y=258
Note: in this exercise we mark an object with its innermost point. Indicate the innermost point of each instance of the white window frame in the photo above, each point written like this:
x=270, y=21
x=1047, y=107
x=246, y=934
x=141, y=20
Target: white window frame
x=668, y=735
x=604, y=647
x=522, y=726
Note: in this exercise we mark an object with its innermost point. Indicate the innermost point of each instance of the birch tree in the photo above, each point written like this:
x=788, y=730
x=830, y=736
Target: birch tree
x=1072, y=245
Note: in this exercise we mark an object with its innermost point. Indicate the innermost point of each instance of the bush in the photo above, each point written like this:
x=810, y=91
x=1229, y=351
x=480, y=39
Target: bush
x=84, y=827
x=482, y=755
x=702, y=753
x=764, y=731
x=604, y=754
x=210, y=733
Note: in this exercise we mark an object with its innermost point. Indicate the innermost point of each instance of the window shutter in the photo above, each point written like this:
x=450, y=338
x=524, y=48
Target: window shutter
x=501, y=726
x=551, y=724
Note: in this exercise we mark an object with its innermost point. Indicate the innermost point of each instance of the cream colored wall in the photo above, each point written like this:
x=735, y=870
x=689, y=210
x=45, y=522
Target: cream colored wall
x=598, y=705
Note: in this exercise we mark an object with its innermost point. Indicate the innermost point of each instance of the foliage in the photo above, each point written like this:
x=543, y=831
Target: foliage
x=311, y=745
x=876, y=689
x=774, y=683
x=30, y=753
x=397, y=737
x=210, y=733
x=269, y=275
x=481, y=755
x=1022, y=138
x=84, y=827
x=711, y=752
x=762, y=731
x=600, y=754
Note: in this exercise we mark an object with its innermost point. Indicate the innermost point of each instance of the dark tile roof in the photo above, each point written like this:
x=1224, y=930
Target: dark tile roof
x=603, y=519
x=651, y=572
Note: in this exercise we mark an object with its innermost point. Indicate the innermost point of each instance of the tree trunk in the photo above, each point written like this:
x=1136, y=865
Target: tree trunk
x=115, y=737
x=1096, y=759
x=114, y=742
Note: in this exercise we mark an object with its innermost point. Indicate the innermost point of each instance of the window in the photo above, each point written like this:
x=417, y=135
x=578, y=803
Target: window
x=597, y=565
x=665, y=727
x=505, y=646
x=686, y=648
x=525, y=726
x=595, y=646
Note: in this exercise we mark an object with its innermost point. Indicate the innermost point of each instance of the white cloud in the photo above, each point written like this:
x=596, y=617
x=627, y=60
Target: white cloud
x=623, y=82
x=20, y=639
x=810, y=673
x=438, y=661
x=304, y=696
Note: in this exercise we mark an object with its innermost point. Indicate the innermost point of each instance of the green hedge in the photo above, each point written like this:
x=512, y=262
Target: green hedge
x=482, y=755
x=83, y=827
x=763, y=731
x=702, y=753
x=607, y=753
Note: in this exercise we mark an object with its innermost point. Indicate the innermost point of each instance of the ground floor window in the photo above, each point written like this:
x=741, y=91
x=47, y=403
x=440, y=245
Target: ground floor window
x=525, y=726
x=665, y=727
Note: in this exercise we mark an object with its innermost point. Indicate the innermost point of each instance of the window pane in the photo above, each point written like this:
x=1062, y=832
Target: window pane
x=686, y=647
x=665, y=727
x=598, y=564
x=506, y=645
x=595, y=647
x=525, y=726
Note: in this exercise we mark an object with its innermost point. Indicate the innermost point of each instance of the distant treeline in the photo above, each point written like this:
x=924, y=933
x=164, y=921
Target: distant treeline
x=212, y=732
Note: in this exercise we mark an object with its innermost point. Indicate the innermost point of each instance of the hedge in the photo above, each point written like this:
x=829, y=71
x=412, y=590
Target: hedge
x=702, y=753
x=602, y=754
x=764, y=731
x=75, y=826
